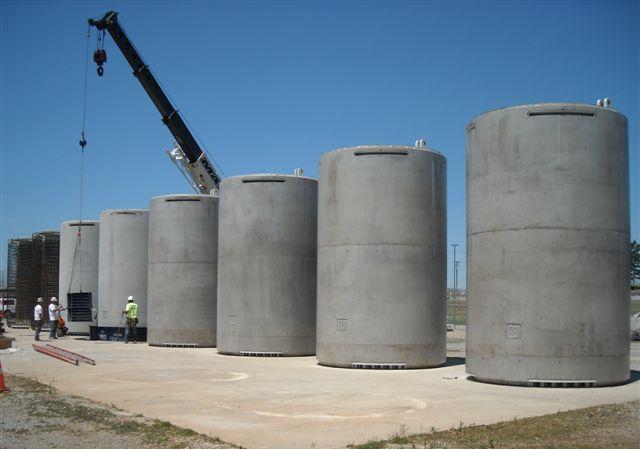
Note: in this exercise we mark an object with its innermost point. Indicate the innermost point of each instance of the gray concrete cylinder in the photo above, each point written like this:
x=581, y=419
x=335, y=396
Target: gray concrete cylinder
x=267, y=265
x=122, y=268
x=548, y=238
x=183, y=261
x=78, y=276
x=382, y=258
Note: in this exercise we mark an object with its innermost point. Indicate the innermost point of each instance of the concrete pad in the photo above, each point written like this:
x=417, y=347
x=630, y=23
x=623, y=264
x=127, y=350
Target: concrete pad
x=292, y=402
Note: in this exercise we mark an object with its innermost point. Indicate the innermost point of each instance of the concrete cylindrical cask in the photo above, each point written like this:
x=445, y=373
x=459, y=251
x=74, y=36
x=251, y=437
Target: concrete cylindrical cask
x=267, y=265
x=78, y=277
x=183, y=261
x=548, y=237
x=382, y=258
x=122, y=269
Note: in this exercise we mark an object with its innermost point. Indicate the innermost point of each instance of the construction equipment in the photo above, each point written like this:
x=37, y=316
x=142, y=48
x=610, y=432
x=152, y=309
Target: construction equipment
x=63, y=355
x=61, y=328
x=187, y=154
x=3, y=387
x=5, y=342
x=7, y=307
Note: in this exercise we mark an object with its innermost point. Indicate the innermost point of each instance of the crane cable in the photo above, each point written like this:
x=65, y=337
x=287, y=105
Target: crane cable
x=83, y=143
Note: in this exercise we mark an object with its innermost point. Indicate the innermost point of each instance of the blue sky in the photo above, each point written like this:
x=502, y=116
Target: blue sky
x=270, y=86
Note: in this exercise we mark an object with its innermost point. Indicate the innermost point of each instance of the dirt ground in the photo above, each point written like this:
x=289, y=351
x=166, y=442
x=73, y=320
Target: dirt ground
x=34, y=415
x=606, y=426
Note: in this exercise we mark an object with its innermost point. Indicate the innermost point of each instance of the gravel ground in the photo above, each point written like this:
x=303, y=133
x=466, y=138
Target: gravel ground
x=34, y=415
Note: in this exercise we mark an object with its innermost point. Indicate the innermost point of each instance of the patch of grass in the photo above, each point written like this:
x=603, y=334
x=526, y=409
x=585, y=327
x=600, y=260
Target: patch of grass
x=160, y=425
x=185, y=432
x=457, y=311
x=399, y=437
x=83, y=412
x=28, y=384
x=606, y=426
x=17, y=430
x=127, y=426
x=369, y=444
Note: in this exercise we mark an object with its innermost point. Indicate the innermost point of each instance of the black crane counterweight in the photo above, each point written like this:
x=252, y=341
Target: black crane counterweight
x=201, y=171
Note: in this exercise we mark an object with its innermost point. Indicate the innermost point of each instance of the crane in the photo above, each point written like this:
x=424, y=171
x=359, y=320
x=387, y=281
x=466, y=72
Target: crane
x=186, y=154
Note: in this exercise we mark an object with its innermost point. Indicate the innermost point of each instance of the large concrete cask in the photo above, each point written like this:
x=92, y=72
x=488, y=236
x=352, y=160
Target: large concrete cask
x=382, y=258
x=267, y=265
x=183, y=260
x=548, y=240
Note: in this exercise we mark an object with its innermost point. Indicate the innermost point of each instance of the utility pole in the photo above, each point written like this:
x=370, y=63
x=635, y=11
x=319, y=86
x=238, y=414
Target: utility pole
x=456, y=264
x=455, y=274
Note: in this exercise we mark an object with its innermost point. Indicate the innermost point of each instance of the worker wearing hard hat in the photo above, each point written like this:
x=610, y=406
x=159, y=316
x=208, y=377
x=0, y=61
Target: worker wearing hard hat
x=37, y=317
x=131, y=312
x=54, y=312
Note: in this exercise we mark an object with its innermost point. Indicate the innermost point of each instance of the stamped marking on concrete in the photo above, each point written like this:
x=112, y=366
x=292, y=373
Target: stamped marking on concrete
x=418, y=404
x=317, y=416
x=236, y=376
x=166, y=378
x=414, y=405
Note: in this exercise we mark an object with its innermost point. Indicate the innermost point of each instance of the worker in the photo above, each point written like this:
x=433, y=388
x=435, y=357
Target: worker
x=54, y=313
x=131, y=311
x=37, y=317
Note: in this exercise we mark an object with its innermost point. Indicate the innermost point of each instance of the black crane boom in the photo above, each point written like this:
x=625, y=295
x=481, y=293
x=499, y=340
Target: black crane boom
x=170, y=115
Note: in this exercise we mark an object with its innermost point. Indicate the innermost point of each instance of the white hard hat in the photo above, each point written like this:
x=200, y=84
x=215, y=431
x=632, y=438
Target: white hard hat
x=40, y=300
x=130, y=298
x=54, y=299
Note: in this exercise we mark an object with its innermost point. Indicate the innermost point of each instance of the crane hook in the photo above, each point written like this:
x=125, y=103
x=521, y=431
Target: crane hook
x=100, y=57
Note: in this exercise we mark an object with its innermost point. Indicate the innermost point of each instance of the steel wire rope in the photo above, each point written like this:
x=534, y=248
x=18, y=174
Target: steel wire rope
x=82, y=153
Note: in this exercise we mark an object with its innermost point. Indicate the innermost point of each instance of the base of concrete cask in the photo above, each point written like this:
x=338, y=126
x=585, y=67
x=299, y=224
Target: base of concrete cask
x=547, y=371
x=262, y=354
x=380, y=366
x=266, y=345
x=179, y=345
x=549, y=383
x=115, y=334
x=205, y=338
x=368, y=356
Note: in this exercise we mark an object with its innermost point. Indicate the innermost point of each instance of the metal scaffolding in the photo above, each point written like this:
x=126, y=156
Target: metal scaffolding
x=32, y=269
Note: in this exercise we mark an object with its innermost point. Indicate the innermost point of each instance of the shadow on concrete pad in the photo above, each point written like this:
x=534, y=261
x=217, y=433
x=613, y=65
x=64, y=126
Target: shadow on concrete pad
x=454, y=361
x=634, y=376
